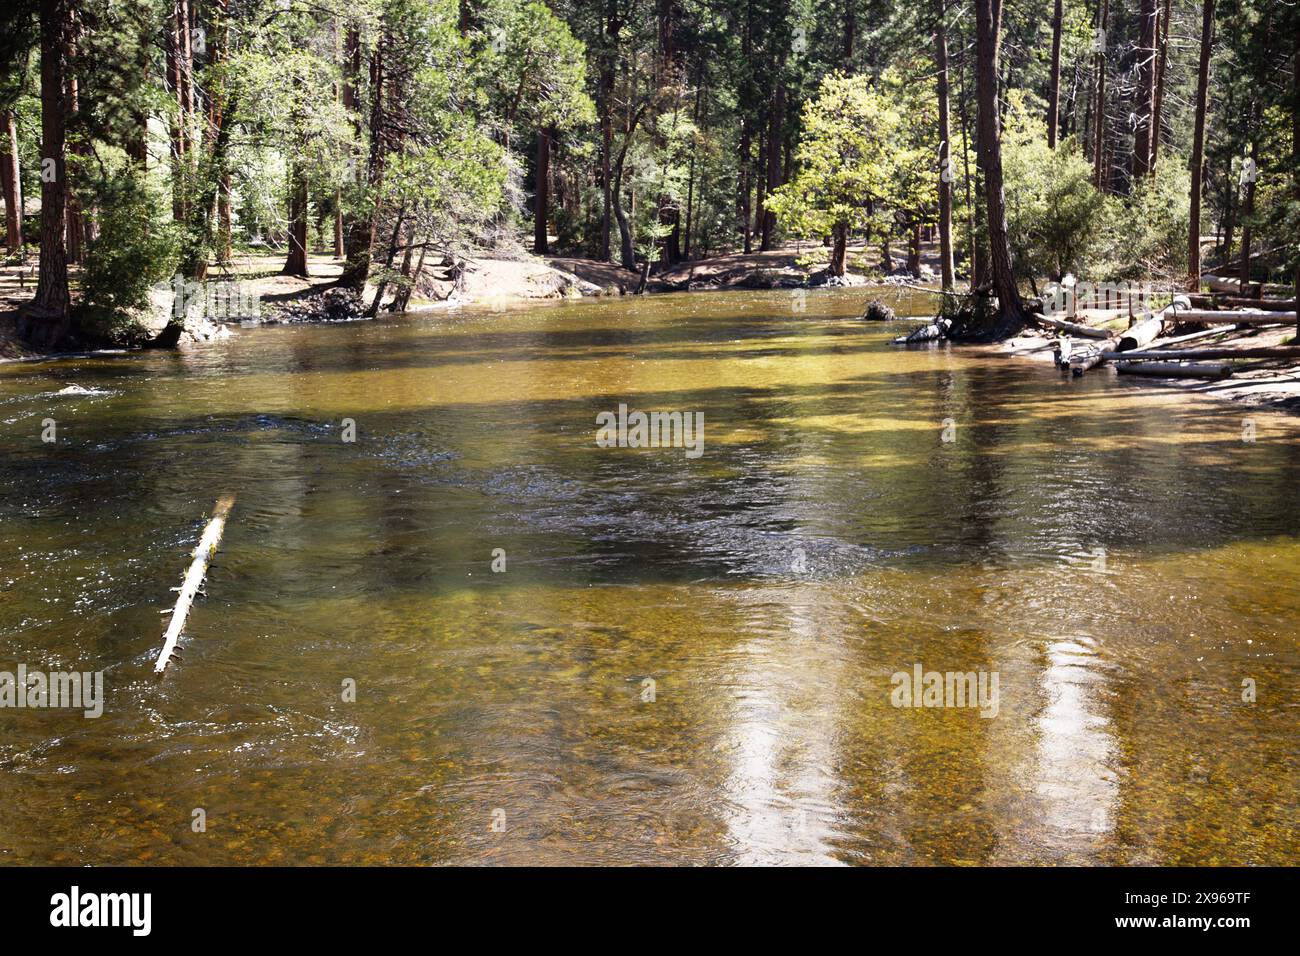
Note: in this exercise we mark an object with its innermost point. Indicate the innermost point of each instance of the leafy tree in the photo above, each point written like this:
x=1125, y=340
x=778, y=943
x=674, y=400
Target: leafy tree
x=847, y=162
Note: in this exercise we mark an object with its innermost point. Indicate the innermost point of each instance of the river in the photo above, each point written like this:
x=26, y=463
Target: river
x=677, y=659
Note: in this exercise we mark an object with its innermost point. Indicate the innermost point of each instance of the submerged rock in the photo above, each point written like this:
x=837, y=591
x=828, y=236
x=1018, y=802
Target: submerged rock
x=877, y=311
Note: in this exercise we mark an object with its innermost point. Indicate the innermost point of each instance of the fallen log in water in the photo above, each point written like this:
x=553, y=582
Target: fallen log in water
x=1063, y=348
x=1141, y=333
x=202, y=557
x=1174, y=369
x=926, y=333
x=1092, y=356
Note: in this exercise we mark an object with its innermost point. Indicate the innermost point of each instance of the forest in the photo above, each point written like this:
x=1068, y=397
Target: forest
x=1145, y=140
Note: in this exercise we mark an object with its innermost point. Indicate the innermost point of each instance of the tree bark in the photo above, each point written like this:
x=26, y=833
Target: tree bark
x=1054, y=84
x=48, y=320
x=945, y=153
x=1198, y=146
x=1099, y=114
x=180, y=73
x=775, y=122
x=613, y=25
x=1162, y=68
x=988, y=16
x=1247, y=215
x=1295, y=143
x=75, y=226
x=839, y=249
x=12, y=182
x=542, y=193
x=357, y=268
x=223, y=220
x=296, y=262
x=1144, y=107
x=745, y=164
x=690, y=176
x=850, y=33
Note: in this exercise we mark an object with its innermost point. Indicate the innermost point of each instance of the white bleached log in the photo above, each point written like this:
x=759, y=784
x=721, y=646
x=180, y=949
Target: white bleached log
x=202, y=557
x=1141, y=333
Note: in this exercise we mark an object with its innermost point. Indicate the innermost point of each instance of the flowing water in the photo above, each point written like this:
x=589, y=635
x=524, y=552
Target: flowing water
x=686, y=659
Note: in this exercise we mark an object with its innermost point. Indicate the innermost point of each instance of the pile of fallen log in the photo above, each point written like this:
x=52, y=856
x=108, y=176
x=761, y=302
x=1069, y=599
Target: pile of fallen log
x=1144, y=348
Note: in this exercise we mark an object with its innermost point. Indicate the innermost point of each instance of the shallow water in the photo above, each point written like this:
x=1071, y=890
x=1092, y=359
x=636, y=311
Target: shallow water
x=1118, y=555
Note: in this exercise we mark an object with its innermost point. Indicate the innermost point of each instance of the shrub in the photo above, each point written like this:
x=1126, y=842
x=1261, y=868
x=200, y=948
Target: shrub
x=1148, y=237
x=136, y=248
x=1056, y=219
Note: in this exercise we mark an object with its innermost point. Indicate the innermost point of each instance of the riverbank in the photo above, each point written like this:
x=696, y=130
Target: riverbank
x=495, y=281
x=1271, y=384
x=503, y=282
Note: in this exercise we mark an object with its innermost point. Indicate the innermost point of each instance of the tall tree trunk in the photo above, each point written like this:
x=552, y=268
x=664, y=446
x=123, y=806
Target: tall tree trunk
x=775, y=123
x=1198, y=146
x=357, y=268
x=1295, y=141
x=47, y=321
x=613, y=27
x=978, y=268
x=1162, y=67
x=1144, y=108
x=1100, y=172
x=745, y=166
x=690, y=176
x=224, y=237
x=945, y=152
x=988, y=19
x=1248, y=215
x=75, y=225
x=1054, y=84
x=296, y=262
x=180, y=72
x=12, y=182
x=542, y=193
x=382, y=285
x=914, y=250
x=850, y=34
x=606, y=147
x=402, y=297
x=339, y=251
x=839, y=249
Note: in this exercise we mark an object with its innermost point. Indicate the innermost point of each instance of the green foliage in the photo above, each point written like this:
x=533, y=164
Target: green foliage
x=136, y=247
x=1148, y=238
x=451, y=188
x=1056, y=219
x=534, y=66
x=848, y=158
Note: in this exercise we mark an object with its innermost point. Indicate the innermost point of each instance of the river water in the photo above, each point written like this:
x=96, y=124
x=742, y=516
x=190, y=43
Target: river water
x=685, y=659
